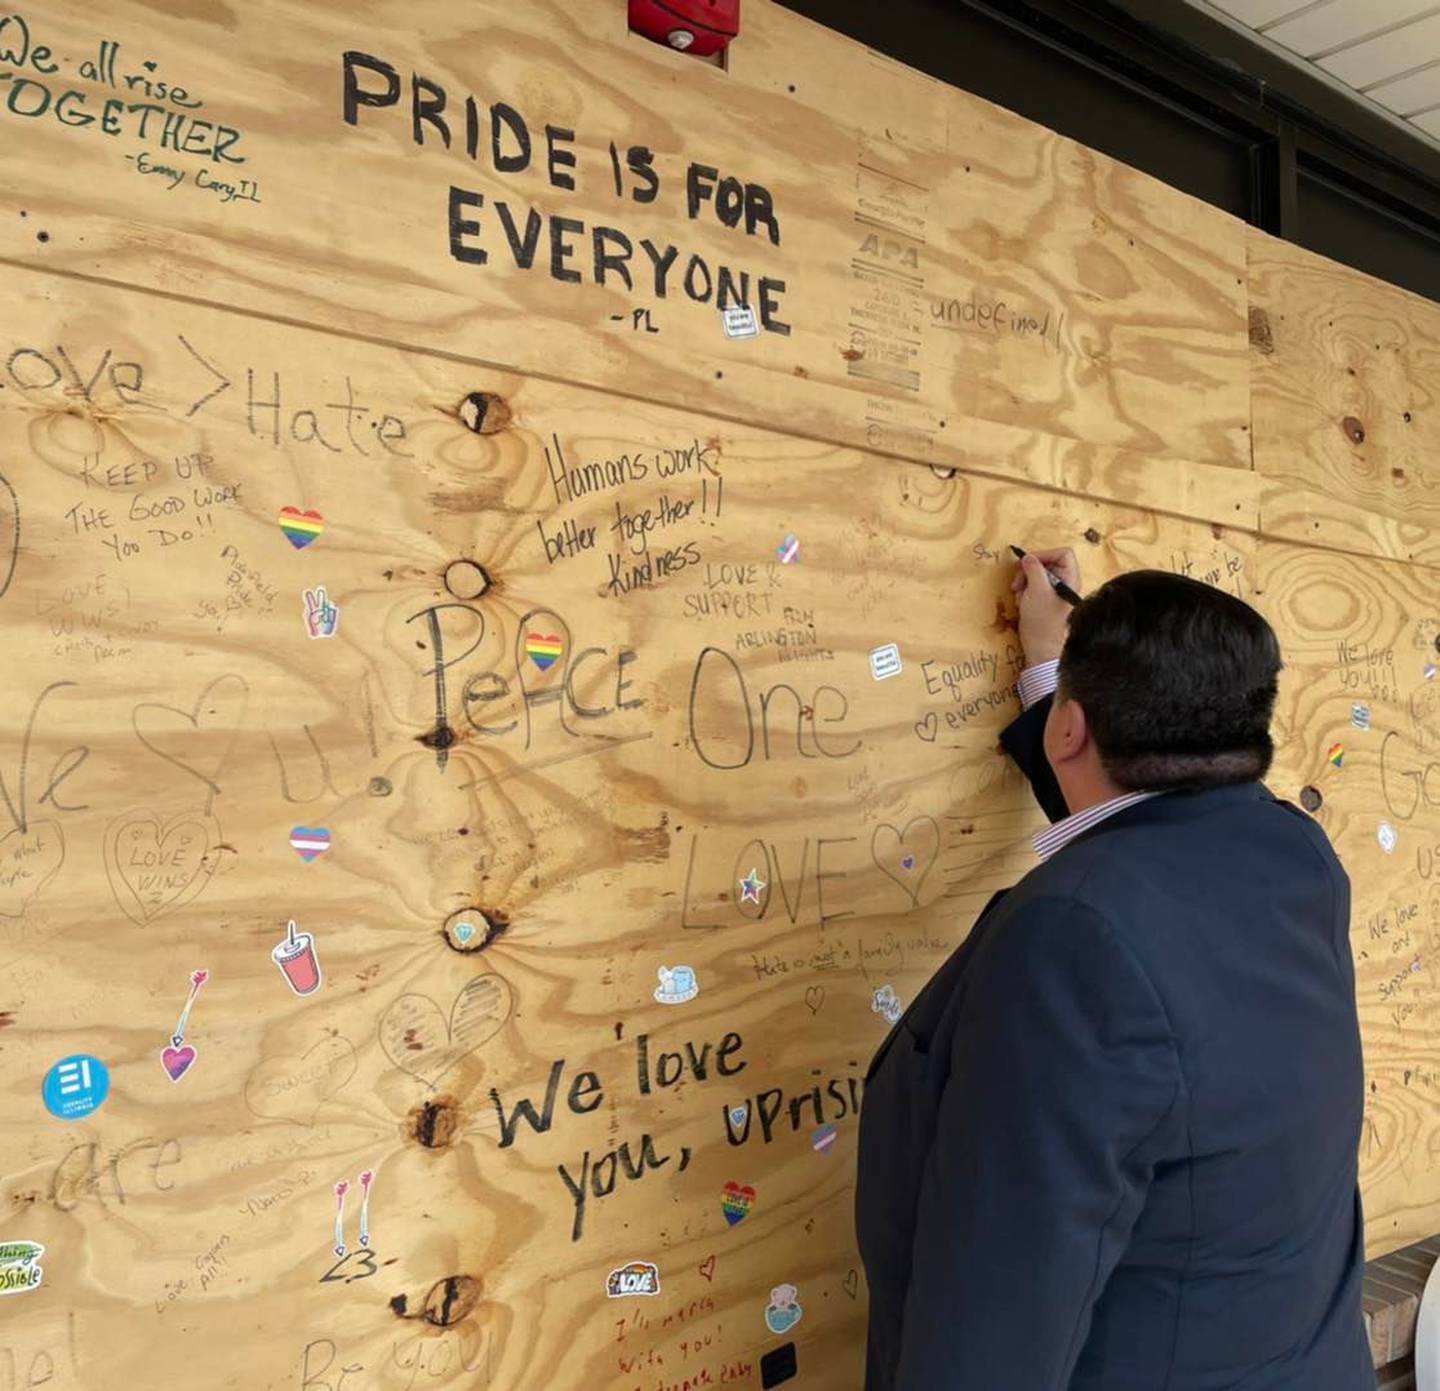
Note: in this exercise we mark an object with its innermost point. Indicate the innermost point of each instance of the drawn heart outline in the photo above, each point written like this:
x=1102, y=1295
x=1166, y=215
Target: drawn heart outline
x=707, y=1267
x=142, y=903
x=912, y=889
x=418, y=1038
x=814, y=998
x=209, y=702
x=278, y=1080
x=851, y=1283
x=928, y=728
x=16, y=871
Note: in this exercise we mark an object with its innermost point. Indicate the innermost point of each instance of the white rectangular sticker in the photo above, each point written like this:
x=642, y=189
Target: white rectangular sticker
x=740, y=321
x=885, y=661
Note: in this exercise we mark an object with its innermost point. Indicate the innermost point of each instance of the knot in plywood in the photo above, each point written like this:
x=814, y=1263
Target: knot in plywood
x=484, y=412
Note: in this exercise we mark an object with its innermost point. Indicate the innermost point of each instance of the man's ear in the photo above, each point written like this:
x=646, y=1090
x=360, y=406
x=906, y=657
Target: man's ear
x=1066, y=731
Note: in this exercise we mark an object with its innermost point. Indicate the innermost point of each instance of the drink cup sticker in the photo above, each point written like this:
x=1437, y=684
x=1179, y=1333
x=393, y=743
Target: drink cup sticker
x=885, y=662
x=1360, y=716
x=740, y=321
x=639, y=1277
x=677, y=985
x=20, y=1268
x=309, y=842
x=735, y=1202
x=788, y=550
x=322, y=618
x=784, y=1311
x=76, y=1086
x=300, y=528
x=295, y=956
x=180, y=1056
x=1387, y=837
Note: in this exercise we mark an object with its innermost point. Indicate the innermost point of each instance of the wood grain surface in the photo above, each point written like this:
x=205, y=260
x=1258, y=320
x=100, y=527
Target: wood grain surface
x=570, y=677
x=942, y=271
x=171, y=724
x=1347, y=428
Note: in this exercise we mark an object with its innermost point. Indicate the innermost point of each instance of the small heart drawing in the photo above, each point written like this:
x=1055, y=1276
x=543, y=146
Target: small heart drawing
x=543, y=649
x=464, y=932
x=928, y=728
x=735, y=1202
x=300, y=528
x=177, y=1061
x=291, y=1088
x=886, y=840
x=309, y=842
x=155, y=867
x=29, y=860
x=908, y=863
x=707, y=1267
x=851, y=1283
x=814, y=998
x=420, y=1040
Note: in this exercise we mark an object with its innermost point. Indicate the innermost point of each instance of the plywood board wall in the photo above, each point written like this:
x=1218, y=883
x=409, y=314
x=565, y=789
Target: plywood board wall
x=517, y=652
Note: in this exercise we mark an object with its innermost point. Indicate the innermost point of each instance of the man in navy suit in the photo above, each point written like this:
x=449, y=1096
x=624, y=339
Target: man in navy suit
x=1112, y=1144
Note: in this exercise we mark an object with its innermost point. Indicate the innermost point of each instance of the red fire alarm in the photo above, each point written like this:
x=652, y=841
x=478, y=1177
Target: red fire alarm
x=701, y=27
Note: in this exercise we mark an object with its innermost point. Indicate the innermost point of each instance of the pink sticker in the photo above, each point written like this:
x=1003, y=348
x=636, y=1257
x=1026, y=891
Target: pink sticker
x=180, y=1056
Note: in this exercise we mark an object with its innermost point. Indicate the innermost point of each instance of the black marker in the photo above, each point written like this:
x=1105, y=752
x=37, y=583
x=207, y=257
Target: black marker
x=1056, y=583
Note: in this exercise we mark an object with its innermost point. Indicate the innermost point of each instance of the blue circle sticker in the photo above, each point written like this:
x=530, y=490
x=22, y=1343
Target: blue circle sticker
x=75, y=1086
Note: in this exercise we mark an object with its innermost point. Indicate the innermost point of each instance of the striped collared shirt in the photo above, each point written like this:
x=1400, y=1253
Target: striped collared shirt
x=1035, y=684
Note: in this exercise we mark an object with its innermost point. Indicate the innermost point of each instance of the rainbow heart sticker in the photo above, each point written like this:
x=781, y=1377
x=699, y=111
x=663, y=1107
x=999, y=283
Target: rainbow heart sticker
x=309, y=842
x=300, y=528
x=543, y=649
x=735, y=1202
x=1336, y=754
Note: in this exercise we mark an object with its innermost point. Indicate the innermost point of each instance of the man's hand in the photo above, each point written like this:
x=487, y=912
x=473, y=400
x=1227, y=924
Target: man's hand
x=1043, y=613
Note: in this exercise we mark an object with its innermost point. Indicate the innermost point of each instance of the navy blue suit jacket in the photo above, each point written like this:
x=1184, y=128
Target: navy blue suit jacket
x=1112, y=1145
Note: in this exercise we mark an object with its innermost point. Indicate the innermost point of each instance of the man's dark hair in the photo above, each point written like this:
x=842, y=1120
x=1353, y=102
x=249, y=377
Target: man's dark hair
x=1177, y=680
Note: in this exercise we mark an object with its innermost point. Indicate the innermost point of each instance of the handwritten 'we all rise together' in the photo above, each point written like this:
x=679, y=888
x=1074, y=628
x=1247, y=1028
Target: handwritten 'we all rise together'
x=502, y=138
